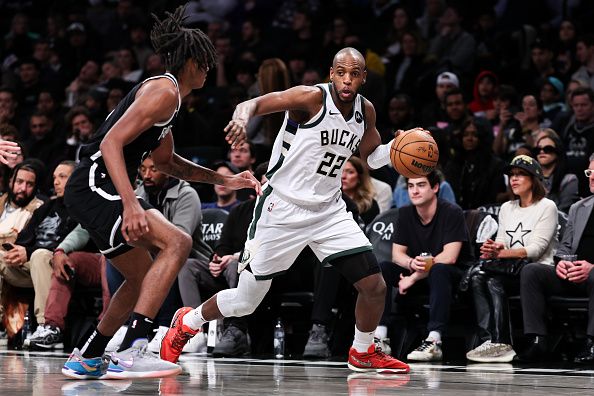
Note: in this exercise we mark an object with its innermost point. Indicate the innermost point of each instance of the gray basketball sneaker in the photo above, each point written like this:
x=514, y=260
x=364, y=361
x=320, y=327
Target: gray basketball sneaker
x=138, y=362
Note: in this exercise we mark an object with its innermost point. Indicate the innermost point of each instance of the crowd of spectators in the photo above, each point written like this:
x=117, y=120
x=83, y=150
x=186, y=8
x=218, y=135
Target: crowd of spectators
x=491, y=80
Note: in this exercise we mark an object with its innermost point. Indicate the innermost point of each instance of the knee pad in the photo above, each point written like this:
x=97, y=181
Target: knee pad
x=245, y=298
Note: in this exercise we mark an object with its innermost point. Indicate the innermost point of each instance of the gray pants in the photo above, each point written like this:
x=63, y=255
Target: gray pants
x=197, y=284
x=539, y=281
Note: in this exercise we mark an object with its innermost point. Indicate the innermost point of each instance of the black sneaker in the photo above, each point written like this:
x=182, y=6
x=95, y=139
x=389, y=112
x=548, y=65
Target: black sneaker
x=233, y=343
x=586, y=356
x=49, y=337
x=536, y=352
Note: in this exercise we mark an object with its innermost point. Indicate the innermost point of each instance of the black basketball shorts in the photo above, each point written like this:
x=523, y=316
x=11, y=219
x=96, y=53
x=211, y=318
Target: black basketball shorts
x=93, y=201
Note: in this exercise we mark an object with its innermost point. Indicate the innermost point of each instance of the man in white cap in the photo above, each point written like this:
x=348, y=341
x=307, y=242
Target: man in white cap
x=434, y=114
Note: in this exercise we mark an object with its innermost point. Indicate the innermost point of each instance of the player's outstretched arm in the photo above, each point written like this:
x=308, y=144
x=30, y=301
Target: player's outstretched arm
x=8, y=150
x=174, y=165
x=302, y=98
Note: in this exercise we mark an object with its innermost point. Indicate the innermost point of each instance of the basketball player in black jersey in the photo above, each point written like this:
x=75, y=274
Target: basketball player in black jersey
x=100, y=195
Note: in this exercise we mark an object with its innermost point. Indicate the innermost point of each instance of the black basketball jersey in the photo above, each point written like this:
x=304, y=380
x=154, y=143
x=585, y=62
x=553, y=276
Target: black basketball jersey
x=135, y=151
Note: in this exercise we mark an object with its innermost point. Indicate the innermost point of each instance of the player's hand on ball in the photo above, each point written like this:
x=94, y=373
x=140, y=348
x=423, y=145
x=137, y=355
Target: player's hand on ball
x=235, y=132
x=244, y=179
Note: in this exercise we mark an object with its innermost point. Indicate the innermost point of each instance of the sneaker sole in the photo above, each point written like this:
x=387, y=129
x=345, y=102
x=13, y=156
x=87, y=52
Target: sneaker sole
x=35, y=346
x=230, y=354
x=378, y=370
x=508, y=357
x=74, y=375
x=423, y=359
x=122, y=375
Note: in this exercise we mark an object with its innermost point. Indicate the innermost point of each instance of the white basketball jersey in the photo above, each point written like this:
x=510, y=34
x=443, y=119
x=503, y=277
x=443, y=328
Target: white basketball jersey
x=307, y=160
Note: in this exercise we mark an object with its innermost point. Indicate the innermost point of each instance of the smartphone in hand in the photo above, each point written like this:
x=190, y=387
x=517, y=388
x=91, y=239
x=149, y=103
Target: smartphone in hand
x=69, y=271
x=7, y=246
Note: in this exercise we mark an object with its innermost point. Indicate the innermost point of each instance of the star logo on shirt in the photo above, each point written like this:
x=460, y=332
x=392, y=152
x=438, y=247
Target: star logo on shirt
x=517, y=235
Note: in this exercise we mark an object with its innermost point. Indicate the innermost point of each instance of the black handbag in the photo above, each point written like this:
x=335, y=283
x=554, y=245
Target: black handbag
x=508, y=267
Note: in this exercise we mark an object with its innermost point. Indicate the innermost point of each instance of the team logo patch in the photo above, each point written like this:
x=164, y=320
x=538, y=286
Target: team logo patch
x=271, y=206
x=358, y=117
x=165, y=131
x=245, y=256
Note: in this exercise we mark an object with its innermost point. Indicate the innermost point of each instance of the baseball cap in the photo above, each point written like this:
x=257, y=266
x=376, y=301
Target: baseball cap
x=526, y=163
x=557, y=84
x=448, y=78
x=76, y=26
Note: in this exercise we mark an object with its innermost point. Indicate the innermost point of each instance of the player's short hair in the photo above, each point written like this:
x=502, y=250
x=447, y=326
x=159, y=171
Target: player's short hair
x=176, y=43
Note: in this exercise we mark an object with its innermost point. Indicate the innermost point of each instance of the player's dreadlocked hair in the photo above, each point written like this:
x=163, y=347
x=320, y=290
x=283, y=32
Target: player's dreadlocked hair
x=176, y=44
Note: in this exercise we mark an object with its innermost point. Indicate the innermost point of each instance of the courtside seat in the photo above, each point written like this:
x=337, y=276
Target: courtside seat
x=380, y=232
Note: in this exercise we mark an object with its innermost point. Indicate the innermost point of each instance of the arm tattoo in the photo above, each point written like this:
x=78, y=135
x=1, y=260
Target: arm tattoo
x=186, y=170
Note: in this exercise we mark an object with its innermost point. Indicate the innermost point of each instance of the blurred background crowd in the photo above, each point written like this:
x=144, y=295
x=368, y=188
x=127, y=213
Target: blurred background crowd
x=490, y=79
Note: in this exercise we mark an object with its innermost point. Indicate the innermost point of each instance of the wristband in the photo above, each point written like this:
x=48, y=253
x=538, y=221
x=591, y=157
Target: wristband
x=410, y=264
x=380, y=156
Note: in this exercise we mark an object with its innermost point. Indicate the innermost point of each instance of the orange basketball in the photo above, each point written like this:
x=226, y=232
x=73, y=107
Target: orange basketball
x=414, y=153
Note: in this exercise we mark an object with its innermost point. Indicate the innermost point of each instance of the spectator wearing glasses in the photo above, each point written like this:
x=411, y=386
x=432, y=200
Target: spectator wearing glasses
x=572, y=276
x=561, y=187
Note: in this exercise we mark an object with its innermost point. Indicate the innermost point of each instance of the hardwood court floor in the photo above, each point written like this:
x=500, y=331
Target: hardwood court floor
x=38, y=374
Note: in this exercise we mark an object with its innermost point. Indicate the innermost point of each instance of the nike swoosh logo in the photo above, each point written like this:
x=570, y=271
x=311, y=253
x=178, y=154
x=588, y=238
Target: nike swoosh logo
x=124, y=363
x=331, y=113
x=364, y=364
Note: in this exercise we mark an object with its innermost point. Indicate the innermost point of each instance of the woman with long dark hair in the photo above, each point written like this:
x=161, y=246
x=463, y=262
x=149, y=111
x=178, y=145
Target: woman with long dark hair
x=561, y=187
x=475, y=173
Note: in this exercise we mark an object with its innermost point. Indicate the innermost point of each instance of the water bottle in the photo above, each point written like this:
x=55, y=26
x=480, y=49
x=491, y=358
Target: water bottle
x=25, y=330
x=279, y=340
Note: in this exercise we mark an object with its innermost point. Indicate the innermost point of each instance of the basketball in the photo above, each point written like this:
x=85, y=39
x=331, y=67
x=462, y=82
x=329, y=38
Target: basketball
x=414, y=153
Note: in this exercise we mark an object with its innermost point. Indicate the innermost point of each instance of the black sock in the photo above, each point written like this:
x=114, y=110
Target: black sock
x=95, y=345
x=140, y=327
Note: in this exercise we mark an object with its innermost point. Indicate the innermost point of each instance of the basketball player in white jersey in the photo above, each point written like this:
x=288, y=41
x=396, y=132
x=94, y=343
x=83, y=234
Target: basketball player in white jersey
x=301, y=206
x=125, y=228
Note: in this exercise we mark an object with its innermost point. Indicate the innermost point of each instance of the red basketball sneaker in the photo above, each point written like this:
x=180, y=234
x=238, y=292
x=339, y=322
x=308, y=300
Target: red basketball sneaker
x=177, y=336
x=375, y=360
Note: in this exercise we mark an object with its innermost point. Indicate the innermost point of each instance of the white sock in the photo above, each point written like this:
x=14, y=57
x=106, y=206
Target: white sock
x=434, y=336
x=381, y=332
x=194, y=319
x=362, y=340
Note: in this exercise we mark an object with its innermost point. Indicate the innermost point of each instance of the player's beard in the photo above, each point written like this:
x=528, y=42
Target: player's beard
x=338, y=94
